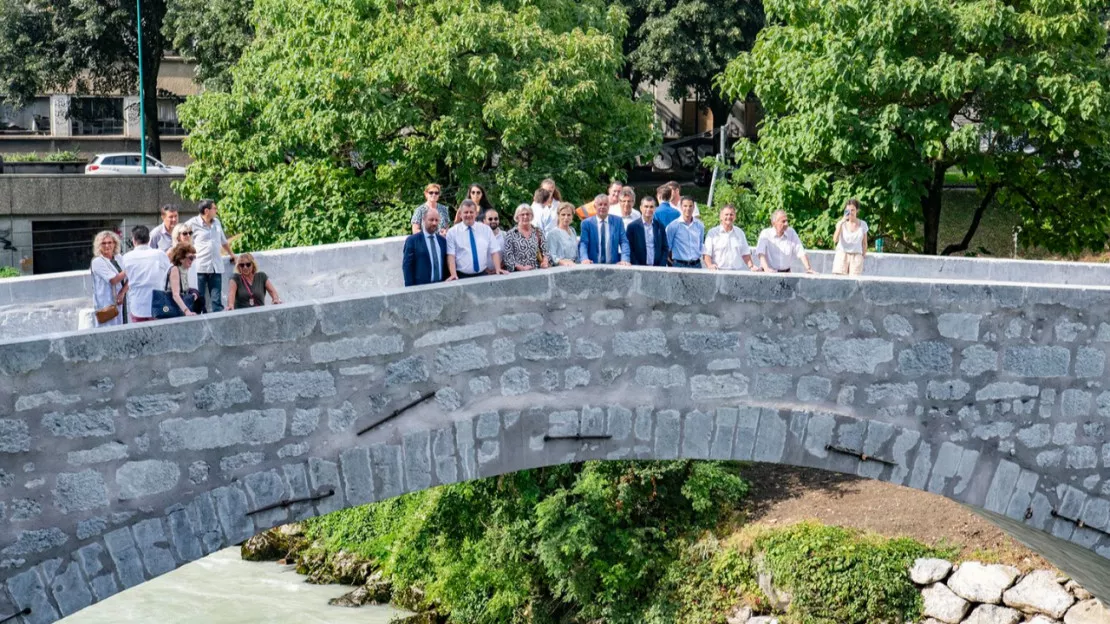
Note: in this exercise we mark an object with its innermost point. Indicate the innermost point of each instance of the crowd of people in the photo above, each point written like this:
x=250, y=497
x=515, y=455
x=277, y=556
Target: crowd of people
x=666, y=230
x=152, y=280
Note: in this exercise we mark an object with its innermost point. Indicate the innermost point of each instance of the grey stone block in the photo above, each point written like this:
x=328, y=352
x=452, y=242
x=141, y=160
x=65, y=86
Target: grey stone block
x=708, y=341
x=520, y=322
x=1089, y=362
x=14, y=436
x=1002, y=486
x=926, y=358
x=697, y=435
x=667, y=434
x=146, y=478
x=280, y=387
x=443, y=452
x=18, y=358
x=150, y=538
x=80, y=491
x=619, y=423
x=544, y=345
x=1001, y=390
x=187, y=375
x=682, y=288
x=362, y=347
x=198, y=472
x=978, y=359
x=293, y=450
x=819, y=432
x=1075, y=404
x=824, y=321
x=813, y=389
x=125, y=555
x=249, y=428
x=222, y=394
x=785, y=351
x=28, y=591
x=515, y=381
x=723, y=433
x=296, y=482
x=358, y=478
x=922, y=466
x=704, y=387
x=959, y=326
x=588, y=349
x=900, y=453
x=946, y=466
x=385, y=462
x=322, y=476
x=460, y=359
x=575, y=377
x=658, y=377
x=342, y=418
x=418, y=461
x=91, y=527
x=896, y=293
x=892, y=392
x=109, y=451
x=770, y=440
x=856, y=355
x=1037, y=361
x=897, y=325
x=24, y=509
x=642, y=428
x=305, y=421
x=88, y=424
x=592, y=422
x=185, y=543
x=640, y=343
x=50, y=397
x=206, y=522
x=35, y=541
x=747, y=428
x=231, y=509
x=151, y=405
x=410, y=370
x=771, y=385
x=265, y=489
x=92, y=559
x=263, y=326
x=759, y=287
x=951, y=390
x=464, y=443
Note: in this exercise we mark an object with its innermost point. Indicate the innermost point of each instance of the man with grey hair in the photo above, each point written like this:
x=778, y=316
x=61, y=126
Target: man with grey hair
x=603, y=240
x=779, y=244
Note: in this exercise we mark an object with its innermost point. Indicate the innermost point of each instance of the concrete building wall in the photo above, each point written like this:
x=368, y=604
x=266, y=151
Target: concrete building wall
x=129, y=451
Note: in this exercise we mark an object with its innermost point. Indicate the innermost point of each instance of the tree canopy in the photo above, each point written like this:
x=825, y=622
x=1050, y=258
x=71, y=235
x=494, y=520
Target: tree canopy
x=211, y=33
x=89, y=45
x=341, y=112
x=878, y=99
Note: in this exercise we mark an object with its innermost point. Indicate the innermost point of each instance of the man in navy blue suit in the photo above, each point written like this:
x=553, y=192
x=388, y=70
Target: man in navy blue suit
x=647, y=237
x=425, y=258
x=603, y=239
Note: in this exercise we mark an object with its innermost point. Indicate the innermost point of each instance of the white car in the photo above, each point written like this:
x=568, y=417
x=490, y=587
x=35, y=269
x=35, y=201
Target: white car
x=129, y=164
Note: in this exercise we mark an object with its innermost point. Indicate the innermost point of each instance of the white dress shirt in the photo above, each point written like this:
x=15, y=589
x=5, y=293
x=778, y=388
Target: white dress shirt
x=458, y=245
x=544, y=217
x=727, y=249
x=635, y=214
x=780, y=250
x=208, y=240
x=146, y=272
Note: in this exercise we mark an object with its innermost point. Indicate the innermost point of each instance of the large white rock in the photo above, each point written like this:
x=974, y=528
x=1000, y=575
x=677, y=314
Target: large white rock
x=929, y=571
x=993, y=614
x=1042, y=619
x=1039, y=592
x=976, y=582
x=943, y=605
x=1088, y=612
x=1078, y=591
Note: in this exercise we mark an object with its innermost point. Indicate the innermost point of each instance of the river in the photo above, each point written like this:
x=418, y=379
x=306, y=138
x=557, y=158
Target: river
x=224, y=589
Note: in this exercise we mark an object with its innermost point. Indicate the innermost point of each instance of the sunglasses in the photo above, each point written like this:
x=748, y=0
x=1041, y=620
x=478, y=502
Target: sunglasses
x=186, y=234
x=244, y=265
x=431, y=192
x=475, y=192
x=191, y=257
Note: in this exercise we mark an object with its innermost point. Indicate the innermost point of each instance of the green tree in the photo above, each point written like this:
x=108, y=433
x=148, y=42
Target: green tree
x=879, y=98
x=341, y=111
x=689, y=43
x=91, y=45
x=211, y=33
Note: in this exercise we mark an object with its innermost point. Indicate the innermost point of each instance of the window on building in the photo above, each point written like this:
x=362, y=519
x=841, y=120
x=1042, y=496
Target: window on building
x=34, y=118
x=695, y=118
x=96, y=116
x=168, y=124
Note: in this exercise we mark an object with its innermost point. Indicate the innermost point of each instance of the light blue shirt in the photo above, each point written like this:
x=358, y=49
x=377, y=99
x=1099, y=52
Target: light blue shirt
x=685, y=240
x=649, y=241
x=666, y=213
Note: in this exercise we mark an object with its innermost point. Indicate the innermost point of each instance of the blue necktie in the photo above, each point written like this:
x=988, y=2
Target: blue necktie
x=603, y=255
x=474, y=250
x=435, y=256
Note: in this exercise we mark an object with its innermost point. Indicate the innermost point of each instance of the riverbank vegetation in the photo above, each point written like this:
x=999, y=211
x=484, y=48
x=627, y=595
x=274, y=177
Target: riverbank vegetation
x=614, y=542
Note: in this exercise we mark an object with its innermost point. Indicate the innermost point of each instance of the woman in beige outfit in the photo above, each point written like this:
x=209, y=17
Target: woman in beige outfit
x=851, y=241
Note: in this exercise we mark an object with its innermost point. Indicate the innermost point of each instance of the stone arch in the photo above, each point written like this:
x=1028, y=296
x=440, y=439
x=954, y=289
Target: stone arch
x=127, y=452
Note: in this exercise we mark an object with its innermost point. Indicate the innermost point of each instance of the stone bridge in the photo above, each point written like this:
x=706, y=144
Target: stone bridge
x=127, y=452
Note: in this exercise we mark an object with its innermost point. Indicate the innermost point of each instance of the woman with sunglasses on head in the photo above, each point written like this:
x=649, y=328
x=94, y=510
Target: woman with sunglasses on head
x=432, y=193
x=182, y=256
x=181, y=234
x=249, y=286
x=477, y=194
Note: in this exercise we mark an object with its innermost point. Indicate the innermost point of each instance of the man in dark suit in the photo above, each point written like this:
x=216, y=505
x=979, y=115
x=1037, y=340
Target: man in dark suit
x=647, y=237
x=425, y=258
x=603, y=239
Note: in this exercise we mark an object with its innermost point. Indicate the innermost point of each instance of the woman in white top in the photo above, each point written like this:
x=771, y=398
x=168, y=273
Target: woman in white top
x=851, y=241
x=109, y=280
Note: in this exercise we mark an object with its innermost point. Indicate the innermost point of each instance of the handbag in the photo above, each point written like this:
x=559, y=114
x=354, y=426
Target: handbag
x=162, y=305
x=107, y=313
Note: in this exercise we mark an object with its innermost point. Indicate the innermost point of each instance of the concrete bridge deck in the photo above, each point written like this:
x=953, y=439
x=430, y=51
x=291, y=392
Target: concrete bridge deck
x=126, y=452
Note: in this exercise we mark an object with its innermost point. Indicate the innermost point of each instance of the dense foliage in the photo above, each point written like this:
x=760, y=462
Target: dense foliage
x=583, y=542
x=90, y=46
x=212, y=34
x=879, y=99
x=341, y=110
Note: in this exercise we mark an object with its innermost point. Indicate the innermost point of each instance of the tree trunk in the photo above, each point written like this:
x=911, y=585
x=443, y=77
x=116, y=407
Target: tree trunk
x=150, y=103
x=930, y=210
x=721, y=109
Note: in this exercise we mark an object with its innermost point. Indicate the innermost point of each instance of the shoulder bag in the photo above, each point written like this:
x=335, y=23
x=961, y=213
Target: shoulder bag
x=162, y=305
x=110, y=311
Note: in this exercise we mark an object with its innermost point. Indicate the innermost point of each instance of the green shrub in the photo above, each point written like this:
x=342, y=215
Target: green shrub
x=57, y=156
x=6, y=271
x=839, y=575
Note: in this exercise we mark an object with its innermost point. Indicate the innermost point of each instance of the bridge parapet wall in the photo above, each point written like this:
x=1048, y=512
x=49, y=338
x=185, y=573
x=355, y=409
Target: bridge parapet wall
x=129, y=451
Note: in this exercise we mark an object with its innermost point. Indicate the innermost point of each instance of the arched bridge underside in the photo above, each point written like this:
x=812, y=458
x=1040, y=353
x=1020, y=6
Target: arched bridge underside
x=127, y=452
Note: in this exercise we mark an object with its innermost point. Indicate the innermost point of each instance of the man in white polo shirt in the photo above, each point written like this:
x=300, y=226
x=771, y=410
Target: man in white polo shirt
x=209, y=239
x=778, y=246
x=726, y=246
x=146, y=270
x=471, y=246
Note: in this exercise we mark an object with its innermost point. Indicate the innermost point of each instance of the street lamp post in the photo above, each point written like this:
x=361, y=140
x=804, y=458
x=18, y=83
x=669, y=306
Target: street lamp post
x=142, y=98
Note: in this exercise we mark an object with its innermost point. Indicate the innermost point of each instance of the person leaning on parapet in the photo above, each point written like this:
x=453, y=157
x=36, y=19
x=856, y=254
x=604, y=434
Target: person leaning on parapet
x=726, y=246
x=182, y=235
x=666, y=212
x=627, y=199
x=146, y=270
x=604, y=240
x=525, y=246
x=425, y=257
x=432, y=194
x=562, y=240
x=209, y=239
x=161, y=237
x=249, y=286
x=493, y=219
x=851, y=241
x=471, y=246
x=647, y=237
x=779, y=244
x=109, y=281
x=684, y=237
x=177, y=280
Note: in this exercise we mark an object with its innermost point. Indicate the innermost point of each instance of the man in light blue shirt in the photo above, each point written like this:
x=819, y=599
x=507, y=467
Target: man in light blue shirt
x=685, y=236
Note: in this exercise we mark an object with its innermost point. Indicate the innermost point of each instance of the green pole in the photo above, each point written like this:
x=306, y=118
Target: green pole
x=142, y=98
